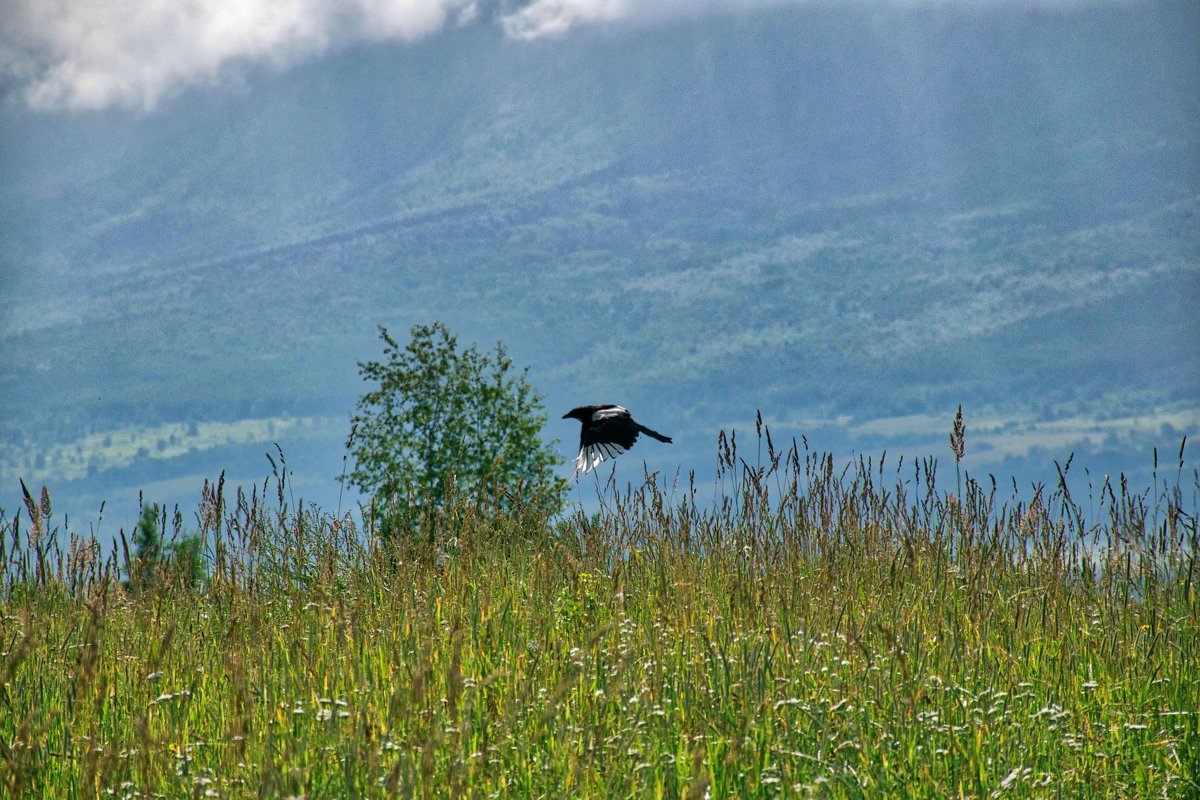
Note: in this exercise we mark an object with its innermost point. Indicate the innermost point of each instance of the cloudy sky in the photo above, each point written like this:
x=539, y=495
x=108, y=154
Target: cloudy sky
x=71, y=55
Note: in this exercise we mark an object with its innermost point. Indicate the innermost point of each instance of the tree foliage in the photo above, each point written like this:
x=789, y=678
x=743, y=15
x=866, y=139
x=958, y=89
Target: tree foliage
x=147, y=544
x=444, y=422
x=182, y=559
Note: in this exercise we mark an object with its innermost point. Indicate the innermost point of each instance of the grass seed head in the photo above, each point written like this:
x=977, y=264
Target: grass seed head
x=958, y=436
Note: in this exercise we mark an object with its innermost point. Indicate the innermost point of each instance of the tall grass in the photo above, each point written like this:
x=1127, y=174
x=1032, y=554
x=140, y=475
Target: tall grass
x=819, y=630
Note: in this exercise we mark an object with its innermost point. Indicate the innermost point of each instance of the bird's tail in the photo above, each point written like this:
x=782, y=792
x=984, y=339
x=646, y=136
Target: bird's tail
x=655, y=434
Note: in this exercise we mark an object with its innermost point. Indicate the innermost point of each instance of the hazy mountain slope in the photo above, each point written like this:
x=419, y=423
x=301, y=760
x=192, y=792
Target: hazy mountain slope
x=820, y=213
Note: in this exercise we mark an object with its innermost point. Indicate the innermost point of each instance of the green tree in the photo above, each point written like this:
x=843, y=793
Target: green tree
x=443, y=422
x=147, y=548
x=183, y=557
x=187, y=560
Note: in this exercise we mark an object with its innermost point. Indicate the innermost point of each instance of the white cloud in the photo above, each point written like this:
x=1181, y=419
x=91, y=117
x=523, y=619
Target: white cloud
x=99, y=53
x=548, y=18
x=91, y=54
x=555, y=17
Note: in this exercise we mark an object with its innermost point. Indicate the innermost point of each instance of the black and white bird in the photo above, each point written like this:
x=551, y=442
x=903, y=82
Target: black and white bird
x=607, y=432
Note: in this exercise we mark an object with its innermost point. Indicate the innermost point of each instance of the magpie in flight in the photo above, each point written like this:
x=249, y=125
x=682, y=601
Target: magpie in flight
x=607, y=432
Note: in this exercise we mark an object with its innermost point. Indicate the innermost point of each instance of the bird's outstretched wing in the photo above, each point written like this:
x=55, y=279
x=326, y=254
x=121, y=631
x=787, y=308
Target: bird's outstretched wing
x=611, y=432
x=606, y=433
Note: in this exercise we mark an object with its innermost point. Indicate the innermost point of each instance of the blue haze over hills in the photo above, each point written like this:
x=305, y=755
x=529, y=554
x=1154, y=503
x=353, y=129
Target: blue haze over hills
x=853, y=219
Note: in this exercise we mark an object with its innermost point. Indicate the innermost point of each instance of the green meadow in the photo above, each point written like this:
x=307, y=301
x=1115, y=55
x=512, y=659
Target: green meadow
x=820, y=629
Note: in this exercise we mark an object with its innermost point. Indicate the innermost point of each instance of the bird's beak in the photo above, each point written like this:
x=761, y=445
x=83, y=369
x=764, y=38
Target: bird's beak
x=566, y=415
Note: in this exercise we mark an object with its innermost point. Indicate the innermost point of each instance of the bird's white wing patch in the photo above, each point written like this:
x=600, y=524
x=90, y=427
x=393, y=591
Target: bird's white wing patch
x=609, y=413
x=593, y=455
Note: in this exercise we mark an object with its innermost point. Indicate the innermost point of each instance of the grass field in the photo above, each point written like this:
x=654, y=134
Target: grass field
x=819, y=630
